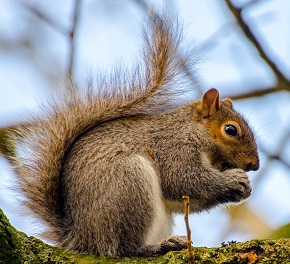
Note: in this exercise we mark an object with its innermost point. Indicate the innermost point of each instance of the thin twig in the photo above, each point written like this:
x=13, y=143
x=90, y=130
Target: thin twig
x=59, y=27
x=257, y=93
x=186, y=212
x=53, y=23
x=72, y=34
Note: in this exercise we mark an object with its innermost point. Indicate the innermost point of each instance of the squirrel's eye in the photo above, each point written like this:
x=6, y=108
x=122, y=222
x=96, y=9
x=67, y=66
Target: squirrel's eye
x=231, y=130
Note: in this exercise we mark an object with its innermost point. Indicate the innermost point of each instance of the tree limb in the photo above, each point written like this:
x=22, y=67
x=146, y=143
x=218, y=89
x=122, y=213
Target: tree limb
x=16, y=247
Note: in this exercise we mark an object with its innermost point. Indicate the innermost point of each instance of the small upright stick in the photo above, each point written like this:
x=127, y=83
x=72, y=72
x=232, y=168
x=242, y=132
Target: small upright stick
x=186, y=212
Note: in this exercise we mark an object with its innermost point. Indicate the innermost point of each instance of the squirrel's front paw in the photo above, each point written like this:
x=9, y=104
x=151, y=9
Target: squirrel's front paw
x=239, y=186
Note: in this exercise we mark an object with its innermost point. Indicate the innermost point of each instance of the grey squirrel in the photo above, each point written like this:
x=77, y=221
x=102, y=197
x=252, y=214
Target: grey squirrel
x=106, y=169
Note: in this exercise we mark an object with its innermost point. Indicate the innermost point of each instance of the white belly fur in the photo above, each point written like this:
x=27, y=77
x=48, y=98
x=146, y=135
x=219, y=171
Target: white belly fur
x=161, y=226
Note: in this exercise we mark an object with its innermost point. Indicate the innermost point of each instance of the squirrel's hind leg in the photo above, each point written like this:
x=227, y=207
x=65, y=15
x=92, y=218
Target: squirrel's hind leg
x=159, y=228
x=138, y=223
x=122, y=212
x=173, y=243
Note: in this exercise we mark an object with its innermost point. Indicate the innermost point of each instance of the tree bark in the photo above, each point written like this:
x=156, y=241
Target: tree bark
x=17, y=247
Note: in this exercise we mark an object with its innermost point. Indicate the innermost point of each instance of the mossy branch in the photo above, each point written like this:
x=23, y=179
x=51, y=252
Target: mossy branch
x=16, y=247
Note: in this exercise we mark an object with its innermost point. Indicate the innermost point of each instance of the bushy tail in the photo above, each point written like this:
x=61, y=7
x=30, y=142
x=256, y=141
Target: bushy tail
x=44, y=142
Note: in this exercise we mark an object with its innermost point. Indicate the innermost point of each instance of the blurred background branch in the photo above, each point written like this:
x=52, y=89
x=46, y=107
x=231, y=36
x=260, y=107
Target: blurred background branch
x=76, y=18
x=282, y=82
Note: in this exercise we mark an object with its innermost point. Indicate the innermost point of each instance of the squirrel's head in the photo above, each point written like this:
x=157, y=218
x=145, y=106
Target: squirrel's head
x=231, y=141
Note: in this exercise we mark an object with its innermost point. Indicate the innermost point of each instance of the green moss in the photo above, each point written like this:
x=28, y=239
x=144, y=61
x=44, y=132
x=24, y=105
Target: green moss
x=16, y=247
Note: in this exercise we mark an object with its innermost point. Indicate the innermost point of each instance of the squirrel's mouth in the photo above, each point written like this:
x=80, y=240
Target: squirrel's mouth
x=227, y=166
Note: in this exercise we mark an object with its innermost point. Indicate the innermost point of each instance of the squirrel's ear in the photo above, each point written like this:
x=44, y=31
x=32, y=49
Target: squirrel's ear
x=210, y=103
x=228, y=102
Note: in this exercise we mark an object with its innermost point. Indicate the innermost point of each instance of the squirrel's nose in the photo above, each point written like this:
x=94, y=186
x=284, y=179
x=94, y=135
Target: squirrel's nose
x=252, y=166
